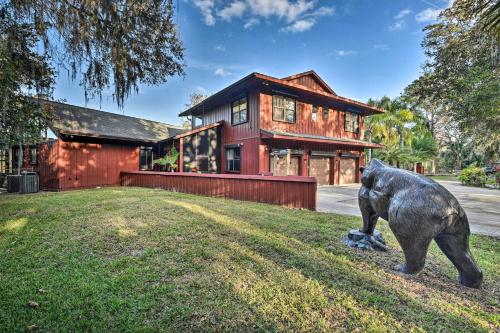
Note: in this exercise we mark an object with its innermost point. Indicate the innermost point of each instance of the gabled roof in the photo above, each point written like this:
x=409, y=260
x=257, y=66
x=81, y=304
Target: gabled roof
x=74, y=120
x=279, y=86
x=314, y=76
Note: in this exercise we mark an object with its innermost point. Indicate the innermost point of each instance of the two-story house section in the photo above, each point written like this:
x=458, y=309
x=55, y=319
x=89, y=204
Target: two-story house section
x=264, y=125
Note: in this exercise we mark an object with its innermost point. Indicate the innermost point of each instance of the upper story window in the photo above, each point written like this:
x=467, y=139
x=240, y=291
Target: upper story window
x=351, y=122
x=233, y=159
x=33, y=155
x=314, y=114
x=283, y=109
x=239, y=111
x=326, y=112
x=146, y=158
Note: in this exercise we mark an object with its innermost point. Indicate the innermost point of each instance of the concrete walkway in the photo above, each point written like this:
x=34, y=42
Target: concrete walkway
x=482, y=205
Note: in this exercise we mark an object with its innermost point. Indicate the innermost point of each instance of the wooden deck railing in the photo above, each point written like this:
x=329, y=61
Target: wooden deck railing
x=289, y=191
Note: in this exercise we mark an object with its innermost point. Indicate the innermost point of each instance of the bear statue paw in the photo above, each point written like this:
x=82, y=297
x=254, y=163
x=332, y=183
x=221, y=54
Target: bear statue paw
x=405, y=269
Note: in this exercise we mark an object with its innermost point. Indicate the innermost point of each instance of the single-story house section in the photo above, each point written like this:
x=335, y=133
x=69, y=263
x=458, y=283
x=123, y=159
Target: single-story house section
x=91, y=149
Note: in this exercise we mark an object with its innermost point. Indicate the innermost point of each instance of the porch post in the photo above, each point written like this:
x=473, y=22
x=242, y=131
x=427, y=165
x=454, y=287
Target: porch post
x=181, y=155
x=305, y=162
x=288, y=162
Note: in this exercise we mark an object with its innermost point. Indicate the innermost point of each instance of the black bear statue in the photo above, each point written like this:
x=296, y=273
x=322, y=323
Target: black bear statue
x=418, y=210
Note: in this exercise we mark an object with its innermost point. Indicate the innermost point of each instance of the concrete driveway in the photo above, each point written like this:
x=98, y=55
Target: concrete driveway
x=481, y=205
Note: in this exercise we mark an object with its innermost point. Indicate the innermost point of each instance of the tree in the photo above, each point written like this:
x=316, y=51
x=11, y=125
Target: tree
x=108, y=42
x=169, y=160
x=461, y=79
x=21, y=70
x=194, y=99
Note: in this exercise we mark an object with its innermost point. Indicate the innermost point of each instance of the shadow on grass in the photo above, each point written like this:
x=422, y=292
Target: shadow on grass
x=376, y=292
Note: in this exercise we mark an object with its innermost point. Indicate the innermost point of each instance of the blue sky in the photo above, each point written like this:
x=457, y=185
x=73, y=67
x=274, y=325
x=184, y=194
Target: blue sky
x=361, y=48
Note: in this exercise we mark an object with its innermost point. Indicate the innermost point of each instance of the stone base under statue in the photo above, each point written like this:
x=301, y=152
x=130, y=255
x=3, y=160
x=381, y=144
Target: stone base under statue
x=360, y=240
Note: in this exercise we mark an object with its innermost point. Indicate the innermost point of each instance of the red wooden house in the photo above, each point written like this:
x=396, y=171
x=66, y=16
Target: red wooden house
x=91, y=149
x=264, y=125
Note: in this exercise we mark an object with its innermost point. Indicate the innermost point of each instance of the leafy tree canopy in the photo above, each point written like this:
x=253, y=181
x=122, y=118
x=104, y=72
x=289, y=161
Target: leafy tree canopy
x=21, y=71
x=109, y=42
x=460, y=87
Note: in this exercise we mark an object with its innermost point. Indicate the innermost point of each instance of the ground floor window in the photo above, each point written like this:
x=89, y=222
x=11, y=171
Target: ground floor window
x=233, y=159
x=33, y=155
x=146, y=158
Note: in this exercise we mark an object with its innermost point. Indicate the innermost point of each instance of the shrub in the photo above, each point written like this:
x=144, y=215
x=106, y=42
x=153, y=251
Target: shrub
x=473, y=175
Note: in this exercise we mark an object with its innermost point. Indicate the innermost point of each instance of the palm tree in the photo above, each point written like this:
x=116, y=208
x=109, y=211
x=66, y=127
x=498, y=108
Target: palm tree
x=394, y=127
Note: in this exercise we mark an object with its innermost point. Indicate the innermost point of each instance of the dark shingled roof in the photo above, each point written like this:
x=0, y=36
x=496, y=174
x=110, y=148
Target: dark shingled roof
x=79, y=121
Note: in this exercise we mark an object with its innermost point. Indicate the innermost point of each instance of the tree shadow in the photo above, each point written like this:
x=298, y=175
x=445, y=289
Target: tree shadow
x=373, y=287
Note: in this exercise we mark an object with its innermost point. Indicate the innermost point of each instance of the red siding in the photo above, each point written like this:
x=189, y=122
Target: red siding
x=333, y=126
x=247, y=134
x=309, y=82
x=47, y=165
x=84, y=165
x=298, y=192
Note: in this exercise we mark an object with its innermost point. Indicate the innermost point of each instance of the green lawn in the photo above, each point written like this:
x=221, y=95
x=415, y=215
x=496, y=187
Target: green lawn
x=130, y=259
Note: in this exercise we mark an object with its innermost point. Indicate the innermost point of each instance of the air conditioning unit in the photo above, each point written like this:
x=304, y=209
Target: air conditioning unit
x=25, y=183
x=29, y=183
x=13, y=182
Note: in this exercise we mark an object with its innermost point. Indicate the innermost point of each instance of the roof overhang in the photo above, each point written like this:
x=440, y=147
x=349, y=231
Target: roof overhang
x=272, y=85
x=278, y=135
x=197, y=130
x=68, y=135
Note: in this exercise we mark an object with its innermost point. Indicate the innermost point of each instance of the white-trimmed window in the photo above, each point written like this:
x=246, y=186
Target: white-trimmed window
x=283, y=109
x=239, y=111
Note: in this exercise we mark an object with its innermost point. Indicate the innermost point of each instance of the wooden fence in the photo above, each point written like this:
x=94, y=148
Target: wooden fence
x=289, y=191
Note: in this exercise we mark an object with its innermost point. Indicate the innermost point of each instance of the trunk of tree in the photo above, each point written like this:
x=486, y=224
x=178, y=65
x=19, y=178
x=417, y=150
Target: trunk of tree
x=20, y=158
x=414, y=167
x=433, y=167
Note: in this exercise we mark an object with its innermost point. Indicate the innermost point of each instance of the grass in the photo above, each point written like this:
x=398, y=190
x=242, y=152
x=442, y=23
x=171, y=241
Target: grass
x=131, y=259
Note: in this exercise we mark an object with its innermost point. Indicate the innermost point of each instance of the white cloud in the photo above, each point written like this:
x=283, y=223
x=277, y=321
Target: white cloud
x=220, y=48
x=300, y=26
x=344, y=53
x=206, y=7
x=427, y=15
x=251, y=23
x=280, y=8
x=235, y=9
x=323, y=11
x=399, y=20
x=222, y=72
x=402, y=14
x=397, y=26
x=382, y=47
x=299, y=15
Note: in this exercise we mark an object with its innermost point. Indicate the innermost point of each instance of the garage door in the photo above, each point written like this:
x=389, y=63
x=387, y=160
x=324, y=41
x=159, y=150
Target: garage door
x=319, y=167
x=347, y=171
x=279, y=166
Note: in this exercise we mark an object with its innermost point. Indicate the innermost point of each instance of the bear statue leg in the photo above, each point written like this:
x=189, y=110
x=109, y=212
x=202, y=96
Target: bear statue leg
x=370, y=217
x=456, y=248
x=415, y=251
